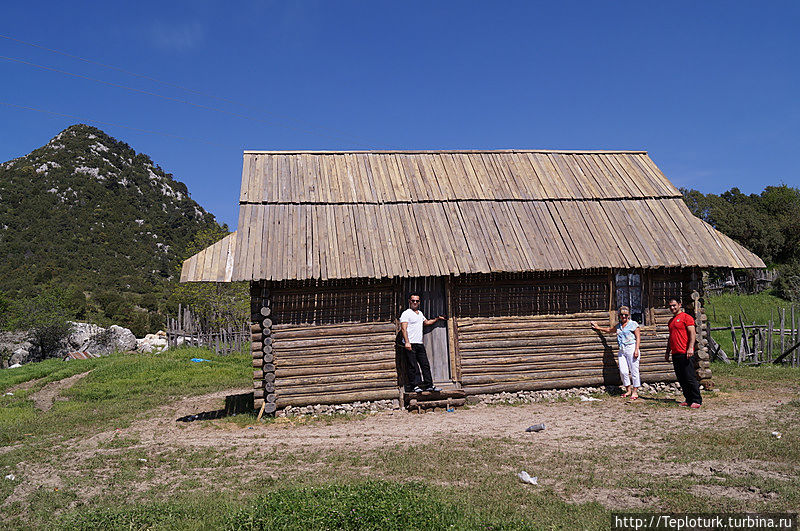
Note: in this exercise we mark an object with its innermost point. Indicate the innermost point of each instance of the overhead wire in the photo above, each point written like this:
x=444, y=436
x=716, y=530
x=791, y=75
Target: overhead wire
x=340, y=134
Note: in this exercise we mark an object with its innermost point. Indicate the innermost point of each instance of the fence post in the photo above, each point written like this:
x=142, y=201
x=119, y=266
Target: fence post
x=735, y=346
x=794, y=337
x=745, y=339
x=769, y=338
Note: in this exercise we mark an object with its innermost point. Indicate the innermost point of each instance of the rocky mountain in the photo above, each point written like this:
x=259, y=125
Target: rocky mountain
x=87, y=211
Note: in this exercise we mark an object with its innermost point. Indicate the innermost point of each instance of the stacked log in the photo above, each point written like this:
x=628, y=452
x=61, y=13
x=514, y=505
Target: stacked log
x=701, y=348
x=333, y=364
x=434, y=399
x=261, y=348
x=550, y=351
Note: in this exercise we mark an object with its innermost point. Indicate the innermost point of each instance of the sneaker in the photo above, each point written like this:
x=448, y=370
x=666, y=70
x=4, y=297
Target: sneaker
x=684, y=404
x=418, y=389
x=695, y=405
x=433, y=389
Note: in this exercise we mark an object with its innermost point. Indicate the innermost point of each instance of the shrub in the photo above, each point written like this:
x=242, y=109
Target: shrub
x=787, y=285
x=46, y=319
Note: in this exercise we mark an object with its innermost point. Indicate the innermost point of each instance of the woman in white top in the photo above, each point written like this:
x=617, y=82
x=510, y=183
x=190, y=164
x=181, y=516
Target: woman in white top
x=628, y=339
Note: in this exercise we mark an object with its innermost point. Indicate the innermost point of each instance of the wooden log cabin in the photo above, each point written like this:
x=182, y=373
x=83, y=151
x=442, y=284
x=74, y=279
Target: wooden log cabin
x=520, y=249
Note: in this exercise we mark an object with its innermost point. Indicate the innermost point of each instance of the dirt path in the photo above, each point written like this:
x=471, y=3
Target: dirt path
x=44, y=398
x=573, y=429
x=590, y=422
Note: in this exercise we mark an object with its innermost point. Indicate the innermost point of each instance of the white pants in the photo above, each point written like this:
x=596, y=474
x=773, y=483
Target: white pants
x=628, y=366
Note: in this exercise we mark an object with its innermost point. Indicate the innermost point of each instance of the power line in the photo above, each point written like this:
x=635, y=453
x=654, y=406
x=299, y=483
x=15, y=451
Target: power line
x=149, y=131
x=187, y=89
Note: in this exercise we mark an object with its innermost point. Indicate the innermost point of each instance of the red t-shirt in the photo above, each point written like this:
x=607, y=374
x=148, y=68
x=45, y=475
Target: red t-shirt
x=678, y=335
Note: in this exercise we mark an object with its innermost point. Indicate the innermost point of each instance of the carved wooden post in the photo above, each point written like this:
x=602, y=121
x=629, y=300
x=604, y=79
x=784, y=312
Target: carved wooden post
x=261, y=348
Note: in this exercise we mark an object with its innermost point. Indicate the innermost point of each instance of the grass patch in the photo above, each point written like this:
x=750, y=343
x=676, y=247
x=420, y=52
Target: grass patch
x=730, y=376
x=758, y=308
x=118, y=388
x=366, y=505
x=443, y=480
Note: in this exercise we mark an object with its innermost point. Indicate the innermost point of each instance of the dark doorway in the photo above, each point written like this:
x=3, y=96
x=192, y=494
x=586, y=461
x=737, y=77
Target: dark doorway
x=629, y=293
x=434, y=302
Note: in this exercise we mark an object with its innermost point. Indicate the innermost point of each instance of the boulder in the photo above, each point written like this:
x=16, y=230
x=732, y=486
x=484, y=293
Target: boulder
x=109, y=340
x=152, y=343
x=81, y=332
x=23, y=353
x=15, y=348
x=124, y=338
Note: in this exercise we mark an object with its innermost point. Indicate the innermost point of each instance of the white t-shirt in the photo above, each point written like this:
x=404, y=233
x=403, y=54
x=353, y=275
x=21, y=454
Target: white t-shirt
x=414, y=320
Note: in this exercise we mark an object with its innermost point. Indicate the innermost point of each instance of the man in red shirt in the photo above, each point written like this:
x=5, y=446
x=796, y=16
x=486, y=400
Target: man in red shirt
x=682, y=334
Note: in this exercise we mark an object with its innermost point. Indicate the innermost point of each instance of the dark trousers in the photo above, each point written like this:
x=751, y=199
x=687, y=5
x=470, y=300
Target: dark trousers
x=417, y=359
x=684, y=370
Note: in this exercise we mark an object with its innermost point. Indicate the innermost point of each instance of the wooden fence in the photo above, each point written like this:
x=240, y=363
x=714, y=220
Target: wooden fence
x=777, y=341
x=188, y=329
x=746, y=282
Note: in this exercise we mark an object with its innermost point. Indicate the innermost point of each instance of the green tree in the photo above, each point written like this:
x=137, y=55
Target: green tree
x=217, y=304
x=767, y=224
x=46, y=318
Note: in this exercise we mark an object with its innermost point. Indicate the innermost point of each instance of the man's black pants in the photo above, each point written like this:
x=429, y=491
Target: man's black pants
x=417, y=359
x=684, y=370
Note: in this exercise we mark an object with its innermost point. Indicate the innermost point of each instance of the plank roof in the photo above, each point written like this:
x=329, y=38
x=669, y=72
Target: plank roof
x=377, y=214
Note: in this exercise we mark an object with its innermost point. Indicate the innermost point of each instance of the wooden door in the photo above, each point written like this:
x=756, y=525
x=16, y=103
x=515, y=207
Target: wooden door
x=434, y=337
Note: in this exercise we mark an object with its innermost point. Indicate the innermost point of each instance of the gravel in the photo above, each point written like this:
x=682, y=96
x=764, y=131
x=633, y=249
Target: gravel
x=519, y=397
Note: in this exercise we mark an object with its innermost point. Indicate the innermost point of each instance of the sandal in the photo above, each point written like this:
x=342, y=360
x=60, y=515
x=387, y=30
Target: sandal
x=634, y=398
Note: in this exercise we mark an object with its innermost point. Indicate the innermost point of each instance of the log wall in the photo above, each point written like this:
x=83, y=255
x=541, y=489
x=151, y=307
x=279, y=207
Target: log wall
x=501, y=342
x=261, y=347
x=334, y=364
x=550, y=351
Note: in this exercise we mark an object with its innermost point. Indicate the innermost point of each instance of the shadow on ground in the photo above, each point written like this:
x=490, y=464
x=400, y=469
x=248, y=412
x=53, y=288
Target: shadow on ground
x=234, y=405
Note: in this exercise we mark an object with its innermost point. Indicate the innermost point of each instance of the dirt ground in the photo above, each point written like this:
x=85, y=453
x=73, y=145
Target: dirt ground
x=44, y=398
x=593, y=422
x=573, y=428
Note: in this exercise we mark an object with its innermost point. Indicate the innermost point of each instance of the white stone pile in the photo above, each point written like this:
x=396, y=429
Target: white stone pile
x=354, y=408
x=552, y=395
x=152, y=343
x=85, y=338
x=519, y=397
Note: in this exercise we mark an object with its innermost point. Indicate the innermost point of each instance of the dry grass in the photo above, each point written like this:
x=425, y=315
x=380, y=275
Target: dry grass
x=594, y=458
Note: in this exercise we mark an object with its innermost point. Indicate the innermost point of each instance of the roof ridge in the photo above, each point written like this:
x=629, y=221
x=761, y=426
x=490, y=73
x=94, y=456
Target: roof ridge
x=468, y=200
x=434, y=151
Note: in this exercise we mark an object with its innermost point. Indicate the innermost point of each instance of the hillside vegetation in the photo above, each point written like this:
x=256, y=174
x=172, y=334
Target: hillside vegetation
x=105, y=224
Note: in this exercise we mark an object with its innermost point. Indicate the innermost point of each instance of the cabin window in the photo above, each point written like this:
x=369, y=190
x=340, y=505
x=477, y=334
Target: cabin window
x=629, y=293
x=669, y=283
x=509, y=294
x=333, y=301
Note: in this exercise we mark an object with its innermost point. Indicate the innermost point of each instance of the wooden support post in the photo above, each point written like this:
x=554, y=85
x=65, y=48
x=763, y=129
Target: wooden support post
x=452, y=333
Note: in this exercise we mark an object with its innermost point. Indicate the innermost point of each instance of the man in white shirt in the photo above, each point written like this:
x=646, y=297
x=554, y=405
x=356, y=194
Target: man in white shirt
x=411, y=322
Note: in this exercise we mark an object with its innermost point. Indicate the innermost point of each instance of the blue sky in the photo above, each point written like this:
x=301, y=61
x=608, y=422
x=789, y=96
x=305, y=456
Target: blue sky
x=710, y=89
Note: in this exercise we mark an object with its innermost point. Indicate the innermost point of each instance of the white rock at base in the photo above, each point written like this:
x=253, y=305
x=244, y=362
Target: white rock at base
x=81, y=332
x=124, y=338
x=152, y=343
